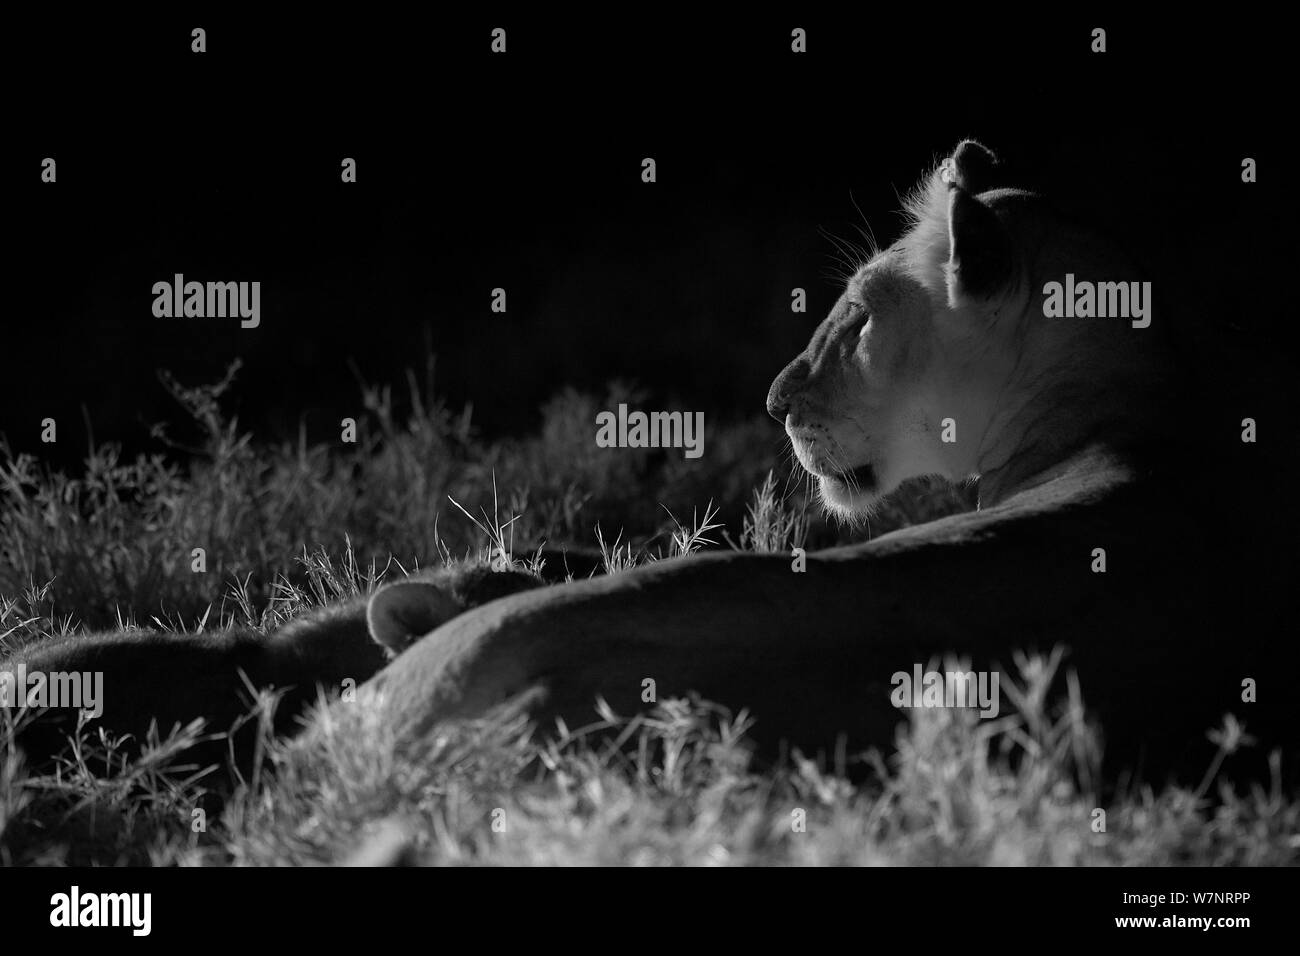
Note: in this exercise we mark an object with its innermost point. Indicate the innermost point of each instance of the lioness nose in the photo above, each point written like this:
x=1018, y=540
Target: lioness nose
x=784, y=388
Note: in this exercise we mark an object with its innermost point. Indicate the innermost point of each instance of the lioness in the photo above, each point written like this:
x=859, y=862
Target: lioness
x=937, y=359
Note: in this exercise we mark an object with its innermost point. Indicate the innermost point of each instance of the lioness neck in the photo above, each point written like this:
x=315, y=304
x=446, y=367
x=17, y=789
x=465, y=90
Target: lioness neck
x=1043, y=419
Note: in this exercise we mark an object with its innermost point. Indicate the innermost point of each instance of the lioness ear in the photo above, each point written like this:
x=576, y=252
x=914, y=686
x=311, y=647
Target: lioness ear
x=403, y=612
x=979, y=251
x=971, y=167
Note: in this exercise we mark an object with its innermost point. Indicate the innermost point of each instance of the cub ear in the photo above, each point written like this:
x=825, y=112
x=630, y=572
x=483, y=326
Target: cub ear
x=971, y=167
x=401, y=613
x=979, y=256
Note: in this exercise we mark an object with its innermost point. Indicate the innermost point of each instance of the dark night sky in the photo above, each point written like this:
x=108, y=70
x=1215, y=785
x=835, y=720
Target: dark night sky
x=523, y=172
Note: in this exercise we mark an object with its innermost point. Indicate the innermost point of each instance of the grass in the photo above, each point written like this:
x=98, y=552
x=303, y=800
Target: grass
x=286, y=529
x=679, y=786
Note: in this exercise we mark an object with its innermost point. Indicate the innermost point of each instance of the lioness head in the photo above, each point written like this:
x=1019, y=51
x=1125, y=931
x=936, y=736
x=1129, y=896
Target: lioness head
x=937, y=358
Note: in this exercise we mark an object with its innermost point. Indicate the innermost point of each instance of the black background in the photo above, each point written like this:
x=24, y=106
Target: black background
x=523, y=171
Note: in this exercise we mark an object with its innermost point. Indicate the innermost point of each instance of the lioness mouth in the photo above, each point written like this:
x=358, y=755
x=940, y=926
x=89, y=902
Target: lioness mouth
x=862, y=478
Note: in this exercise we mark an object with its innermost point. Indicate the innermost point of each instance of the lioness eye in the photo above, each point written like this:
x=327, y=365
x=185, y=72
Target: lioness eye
x=863, y=331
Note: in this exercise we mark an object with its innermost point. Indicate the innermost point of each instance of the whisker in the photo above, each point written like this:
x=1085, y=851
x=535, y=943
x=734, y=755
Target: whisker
x=865, y=229
x=848, y=253
x=842, y=472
